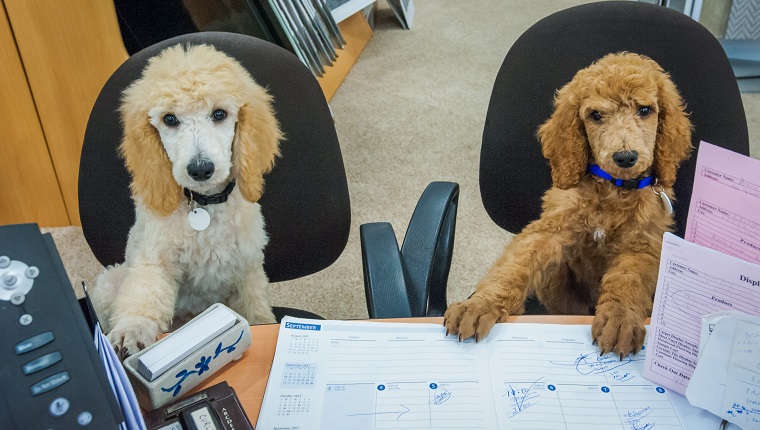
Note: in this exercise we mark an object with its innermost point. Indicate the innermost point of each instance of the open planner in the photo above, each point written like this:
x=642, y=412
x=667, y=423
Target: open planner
x=374, y=375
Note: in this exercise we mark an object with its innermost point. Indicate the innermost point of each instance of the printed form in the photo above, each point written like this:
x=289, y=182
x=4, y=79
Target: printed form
x=374, y=375
x=724, y=213
x=693, y=281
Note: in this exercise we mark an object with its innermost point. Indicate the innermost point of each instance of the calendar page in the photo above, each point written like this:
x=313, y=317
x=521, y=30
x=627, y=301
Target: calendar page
x=337, y=375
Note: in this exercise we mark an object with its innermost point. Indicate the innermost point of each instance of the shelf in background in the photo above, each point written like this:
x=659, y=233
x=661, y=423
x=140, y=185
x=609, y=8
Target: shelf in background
x=357, y=32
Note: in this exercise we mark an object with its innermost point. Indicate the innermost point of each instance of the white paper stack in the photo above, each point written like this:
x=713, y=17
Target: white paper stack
x=117, y=377
x=183, y=342
x=727, y=378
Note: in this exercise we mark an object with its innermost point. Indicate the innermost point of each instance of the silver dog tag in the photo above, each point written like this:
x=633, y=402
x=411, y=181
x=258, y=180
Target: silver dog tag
x=660, y=191
x=198, y=219
x=666, y=202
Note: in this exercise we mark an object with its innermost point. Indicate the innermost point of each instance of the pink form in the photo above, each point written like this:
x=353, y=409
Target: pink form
x=725, y=203
x=695, y=281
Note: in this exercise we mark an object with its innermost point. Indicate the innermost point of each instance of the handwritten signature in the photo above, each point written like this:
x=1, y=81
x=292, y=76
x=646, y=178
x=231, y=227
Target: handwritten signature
x=521, y=398
x=441, y=396
x=738, y=410
x=621, y=376
x=595, y=364
x=634, y=418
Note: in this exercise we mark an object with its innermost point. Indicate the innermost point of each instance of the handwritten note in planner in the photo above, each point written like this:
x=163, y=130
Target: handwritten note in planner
x=725, y=203
x=552, y=377
x=373, y=375
x=693, y=281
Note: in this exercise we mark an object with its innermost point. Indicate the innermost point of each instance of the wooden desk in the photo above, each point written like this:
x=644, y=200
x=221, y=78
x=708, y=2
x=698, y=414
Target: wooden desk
x=248, y=376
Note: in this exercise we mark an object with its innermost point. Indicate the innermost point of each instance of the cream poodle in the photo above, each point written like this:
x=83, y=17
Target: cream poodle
x=199, y=134
x=614, y=141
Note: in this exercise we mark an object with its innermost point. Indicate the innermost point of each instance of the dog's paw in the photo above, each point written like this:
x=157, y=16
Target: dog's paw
x=131, y=335
x=473, y=317
x=617, y=329
x=264, y=317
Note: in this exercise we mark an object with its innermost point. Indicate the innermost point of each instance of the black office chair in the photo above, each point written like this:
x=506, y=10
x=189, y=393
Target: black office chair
x=305, y=204
x=547, y=55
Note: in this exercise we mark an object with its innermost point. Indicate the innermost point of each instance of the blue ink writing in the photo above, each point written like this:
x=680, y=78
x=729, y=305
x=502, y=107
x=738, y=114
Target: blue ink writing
x=521, y=398
x=594, y=364
x=634, y=418
x=738, y=410
x=440, y=396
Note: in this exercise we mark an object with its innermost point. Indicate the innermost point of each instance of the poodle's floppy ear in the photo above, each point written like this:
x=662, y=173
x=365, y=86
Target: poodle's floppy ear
x=564, y=140
x=256, y=144
x=673, y=143
x=147, y=162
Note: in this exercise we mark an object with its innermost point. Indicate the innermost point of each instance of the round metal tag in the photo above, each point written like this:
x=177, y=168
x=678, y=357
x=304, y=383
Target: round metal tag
x=198, y=219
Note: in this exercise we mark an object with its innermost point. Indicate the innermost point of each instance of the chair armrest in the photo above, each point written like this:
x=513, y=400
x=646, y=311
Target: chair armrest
x=414, y=279
x=384, y=283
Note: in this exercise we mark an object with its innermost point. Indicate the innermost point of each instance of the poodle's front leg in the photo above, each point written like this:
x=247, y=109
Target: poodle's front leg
x=625, y=301
x=530, y=260
x=251, y=297
x=143, y=309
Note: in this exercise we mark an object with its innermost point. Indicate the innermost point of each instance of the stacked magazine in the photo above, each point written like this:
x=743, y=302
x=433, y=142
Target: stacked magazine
x=305, y=27
x=404, y=11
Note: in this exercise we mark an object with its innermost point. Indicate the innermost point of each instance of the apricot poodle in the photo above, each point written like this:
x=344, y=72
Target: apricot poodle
x=199, y=135
x=614, y=142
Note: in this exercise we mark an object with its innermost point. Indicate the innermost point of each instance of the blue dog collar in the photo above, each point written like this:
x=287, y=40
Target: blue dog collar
x=628, y=184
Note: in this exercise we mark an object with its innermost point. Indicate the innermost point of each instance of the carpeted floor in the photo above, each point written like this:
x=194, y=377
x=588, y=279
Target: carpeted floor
x=411, y=111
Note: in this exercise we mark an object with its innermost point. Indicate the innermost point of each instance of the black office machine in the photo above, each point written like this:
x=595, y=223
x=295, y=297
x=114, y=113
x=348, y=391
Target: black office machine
x=215, y=408
x=52, y=375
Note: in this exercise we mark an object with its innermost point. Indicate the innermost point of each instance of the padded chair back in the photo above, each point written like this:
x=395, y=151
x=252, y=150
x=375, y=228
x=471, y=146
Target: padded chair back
x=547, y=56
x=305, y=203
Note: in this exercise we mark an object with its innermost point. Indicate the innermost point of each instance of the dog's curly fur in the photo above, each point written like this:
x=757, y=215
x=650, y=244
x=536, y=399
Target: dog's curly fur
x=172, y=271
x=596, y=247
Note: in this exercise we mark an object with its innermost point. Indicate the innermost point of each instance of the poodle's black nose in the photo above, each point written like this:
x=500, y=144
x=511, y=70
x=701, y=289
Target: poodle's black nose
x=625, y=159
x=200, y=170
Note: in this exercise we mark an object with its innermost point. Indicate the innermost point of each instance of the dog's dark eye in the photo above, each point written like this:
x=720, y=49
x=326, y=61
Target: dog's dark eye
x=596, y=116
x=218, y=115
x=171, y=120
x=644, y=111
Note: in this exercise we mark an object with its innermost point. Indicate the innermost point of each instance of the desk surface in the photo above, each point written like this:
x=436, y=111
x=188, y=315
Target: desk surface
x=248, y=376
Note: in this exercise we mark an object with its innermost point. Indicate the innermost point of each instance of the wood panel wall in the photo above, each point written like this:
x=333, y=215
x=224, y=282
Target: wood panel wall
x=30, y=190
x=69, y=48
